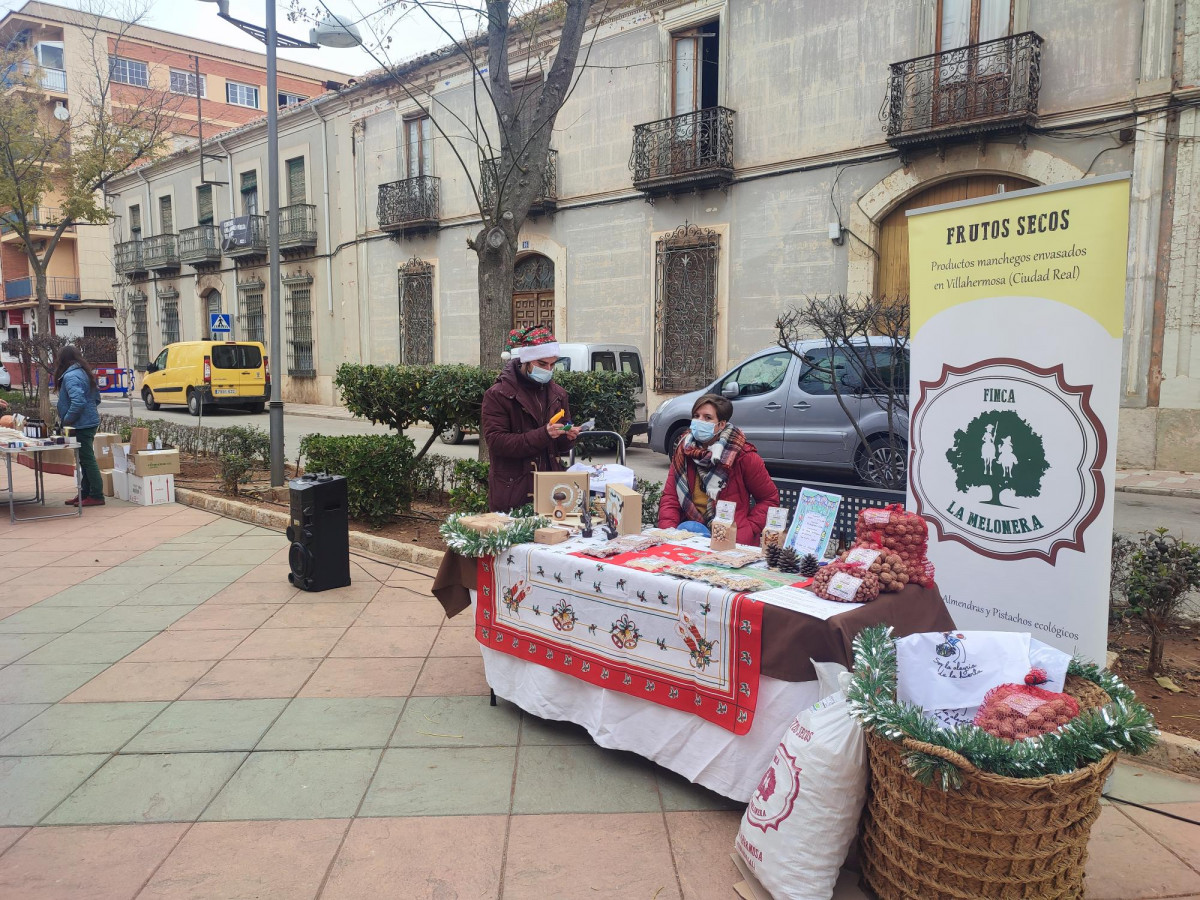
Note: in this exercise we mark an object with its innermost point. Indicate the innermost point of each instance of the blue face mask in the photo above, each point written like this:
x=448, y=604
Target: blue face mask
x=703, y=430
x=541, y=376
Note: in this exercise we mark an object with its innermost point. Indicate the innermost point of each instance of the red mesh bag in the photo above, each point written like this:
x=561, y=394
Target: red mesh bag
x=904, y=533
x=888, y=566
x=1019, y=711
x=857, y=583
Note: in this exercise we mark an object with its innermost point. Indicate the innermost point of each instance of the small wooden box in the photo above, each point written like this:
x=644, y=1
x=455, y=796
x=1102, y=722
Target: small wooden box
x=485, y=523
x=624, y=505
x=559, y=494
x=551, y=535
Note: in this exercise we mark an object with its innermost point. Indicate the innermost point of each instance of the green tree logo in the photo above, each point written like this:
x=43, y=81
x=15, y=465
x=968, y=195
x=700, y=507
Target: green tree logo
x=999, y=450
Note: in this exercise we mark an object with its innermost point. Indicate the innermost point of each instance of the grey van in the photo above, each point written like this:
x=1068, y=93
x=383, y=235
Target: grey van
x=789, y=411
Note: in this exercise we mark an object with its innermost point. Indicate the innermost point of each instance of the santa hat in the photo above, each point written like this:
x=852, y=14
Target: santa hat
x=534, y=342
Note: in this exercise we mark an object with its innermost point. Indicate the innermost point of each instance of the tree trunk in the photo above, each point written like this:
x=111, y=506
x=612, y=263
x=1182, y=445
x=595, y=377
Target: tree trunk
x=495, y=292
x=1154, y=663
x=43, y=363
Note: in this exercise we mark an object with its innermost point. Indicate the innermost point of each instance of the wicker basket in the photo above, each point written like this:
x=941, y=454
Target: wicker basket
x=995, y=837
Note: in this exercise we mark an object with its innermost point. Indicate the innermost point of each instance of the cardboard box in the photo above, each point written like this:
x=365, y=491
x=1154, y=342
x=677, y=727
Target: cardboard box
x=155, y=462
x=139, y=440
x=120, y=456
x=106, y=476
x=153, y=490
x=120, y=482
x=551, y=535
x=103, y=444
x=624, y=506
x=54, y=462
x=559, y=494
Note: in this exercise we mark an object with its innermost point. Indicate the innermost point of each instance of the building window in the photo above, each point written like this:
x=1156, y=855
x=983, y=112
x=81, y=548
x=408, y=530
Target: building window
x=694, y=68
x=129, y=71
x=685, y=309
x=212, y=304
x=184, y=82
x=166, y=216
x=416, y=313
x=251, y=322
x=241, y=94
x=418, y=145
x=140, y=327
x=296, y=192
x=286, y=99
x=249, y=190
x=962, y=23
x=204, y=205
x=168, y=306
x=135, y=222
x=298, y=301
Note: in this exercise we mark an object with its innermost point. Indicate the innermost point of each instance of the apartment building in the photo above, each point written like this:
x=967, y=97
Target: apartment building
x=218, y=86
x=717, y=160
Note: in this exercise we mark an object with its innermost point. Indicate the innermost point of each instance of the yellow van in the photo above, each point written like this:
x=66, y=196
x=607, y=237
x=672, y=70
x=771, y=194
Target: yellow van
x=216, y=373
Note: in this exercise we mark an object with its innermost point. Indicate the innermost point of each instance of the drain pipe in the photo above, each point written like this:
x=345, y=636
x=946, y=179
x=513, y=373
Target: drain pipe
x=325, y=207
x=229, y=299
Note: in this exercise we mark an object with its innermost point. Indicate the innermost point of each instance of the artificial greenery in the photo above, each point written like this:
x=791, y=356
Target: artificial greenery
x=378, y=470
x=468, y=542
x=1123, y=724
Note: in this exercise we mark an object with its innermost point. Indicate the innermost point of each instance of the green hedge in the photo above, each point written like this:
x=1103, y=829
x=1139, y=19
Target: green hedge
x=379, y=471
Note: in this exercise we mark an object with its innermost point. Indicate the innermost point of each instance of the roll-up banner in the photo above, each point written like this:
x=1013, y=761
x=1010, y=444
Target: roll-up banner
x=1017, y=305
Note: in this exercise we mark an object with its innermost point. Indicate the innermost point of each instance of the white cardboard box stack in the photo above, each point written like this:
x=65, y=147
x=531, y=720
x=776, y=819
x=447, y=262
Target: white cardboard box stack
x=149, y=489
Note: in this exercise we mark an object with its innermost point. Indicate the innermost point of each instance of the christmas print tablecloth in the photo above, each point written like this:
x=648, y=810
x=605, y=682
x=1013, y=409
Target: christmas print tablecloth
x=682, y=644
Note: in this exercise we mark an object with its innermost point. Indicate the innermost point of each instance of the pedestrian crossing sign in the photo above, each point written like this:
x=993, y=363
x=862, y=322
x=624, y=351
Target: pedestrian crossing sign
x=218, y=323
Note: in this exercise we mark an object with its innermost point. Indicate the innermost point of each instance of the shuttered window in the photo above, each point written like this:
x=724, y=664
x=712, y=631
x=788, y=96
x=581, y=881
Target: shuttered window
x=249, y=189
x=166, y=216
x=135, y=223
x=295, y=181
x=204, y=205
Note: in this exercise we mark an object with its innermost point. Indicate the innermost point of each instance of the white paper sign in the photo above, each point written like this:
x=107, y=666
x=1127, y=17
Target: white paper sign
x=802, y=601
x=862, y=555
x=777, y=517
x=810, y=535
x=843, y=586
x=726, y=509
x=815, y=515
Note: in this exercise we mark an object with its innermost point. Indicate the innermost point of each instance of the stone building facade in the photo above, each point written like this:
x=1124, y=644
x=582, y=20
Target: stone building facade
x=719, y=159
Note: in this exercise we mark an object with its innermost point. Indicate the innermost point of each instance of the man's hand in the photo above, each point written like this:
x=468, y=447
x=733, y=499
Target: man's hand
x=555, y=430
x=573, y=433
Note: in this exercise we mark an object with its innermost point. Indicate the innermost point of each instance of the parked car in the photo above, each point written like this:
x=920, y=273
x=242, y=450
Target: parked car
x=220, y=373
x=5, y=379
x=788, y=408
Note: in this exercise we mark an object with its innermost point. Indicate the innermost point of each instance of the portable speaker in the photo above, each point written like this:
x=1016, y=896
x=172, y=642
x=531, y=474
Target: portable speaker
x=319, y=532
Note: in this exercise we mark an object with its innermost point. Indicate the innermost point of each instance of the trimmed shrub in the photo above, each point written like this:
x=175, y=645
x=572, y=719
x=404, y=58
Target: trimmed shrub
x=469, y=488
x=378, y=468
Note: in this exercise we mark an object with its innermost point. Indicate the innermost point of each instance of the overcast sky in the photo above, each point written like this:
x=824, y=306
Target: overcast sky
x=412, y=31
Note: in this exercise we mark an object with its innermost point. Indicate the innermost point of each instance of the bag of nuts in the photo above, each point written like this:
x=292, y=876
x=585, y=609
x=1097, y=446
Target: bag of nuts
x=846, y=582
x=888, y=566
x=1018, y=711
x=901, y=532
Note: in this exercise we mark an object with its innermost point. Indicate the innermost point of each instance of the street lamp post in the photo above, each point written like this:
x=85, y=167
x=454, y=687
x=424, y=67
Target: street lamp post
x=331, y=32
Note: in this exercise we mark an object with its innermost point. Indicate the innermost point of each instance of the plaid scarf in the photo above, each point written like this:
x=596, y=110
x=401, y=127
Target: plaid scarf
x=713, y=466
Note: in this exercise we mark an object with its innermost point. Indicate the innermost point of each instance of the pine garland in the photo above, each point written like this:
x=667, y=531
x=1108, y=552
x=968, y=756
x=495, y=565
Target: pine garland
x=468, y=542
x=1122, y=725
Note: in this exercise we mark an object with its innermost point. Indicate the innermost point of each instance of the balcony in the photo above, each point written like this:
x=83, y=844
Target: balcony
x=693, y=151
x=965, y=93
x=41, y=219
x=244, y=237
x=199, y=246
x=128, y=258
x=59, y=288
x=298, y=227
x=409, y=205
x=547, y=198
x=160, y=252
x=52, y=80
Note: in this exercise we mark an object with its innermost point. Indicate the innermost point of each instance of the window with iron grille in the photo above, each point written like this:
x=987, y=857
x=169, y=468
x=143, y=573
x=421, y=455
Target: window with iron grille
x=249, y=191
x=295, y=181
x=129, y=71
x=185, y=83
x=685, y=308
x=135, y=222
x=251, y=322
x=166, y=216
x=204, y=205
x=298, y=301
x=168, y=306
x=416, y=313
x=140, y=328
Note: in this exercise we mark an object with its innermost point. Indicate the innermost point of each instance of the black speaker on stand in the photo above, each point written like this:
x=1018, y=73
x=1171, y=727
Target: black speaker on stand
x=319, y=532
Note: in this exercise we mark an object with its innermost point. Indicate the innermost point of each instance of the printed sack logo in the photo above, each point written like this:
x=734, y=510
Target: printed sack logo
x=775, y=796
x=951, y=660
x=1007, y=459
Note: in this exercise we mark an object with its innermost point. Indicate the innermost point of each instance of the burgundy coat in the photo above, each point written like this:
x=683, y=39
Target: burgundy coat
x=749, y=479
x=516, y=410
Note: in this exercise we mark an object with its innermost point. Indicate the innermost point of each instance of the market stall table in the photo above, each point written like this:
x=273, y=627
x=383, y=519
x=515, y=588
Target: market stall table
x=35, y=452
x=672, y=715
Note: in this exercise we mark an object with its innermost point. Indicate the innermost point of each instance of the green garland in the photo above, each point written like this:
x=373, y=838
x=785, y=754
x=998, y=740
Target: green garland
x=1122, y=725
x=468, y=542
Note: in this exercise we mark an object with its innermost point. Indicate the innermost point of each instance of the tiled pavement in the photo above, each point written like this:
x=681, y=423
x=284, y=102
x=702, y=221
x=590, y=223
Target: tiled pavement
x=177, y=722
x=1146, y=481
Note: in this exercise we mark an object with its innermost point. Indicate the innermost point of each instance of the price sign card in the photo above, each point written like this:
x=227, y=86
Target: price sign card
x=812, y=528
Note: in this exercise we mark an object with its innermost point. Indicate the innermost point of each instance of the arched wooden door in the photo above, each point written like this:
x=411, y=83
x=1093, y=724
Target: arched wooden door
x=533, y=292
x=891, y=277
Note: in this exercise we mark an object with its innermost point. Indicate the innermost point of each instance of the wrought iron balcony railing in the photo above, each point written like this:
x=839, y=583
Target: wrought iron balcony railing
x=128, y=258
x=691, y=151
x=297, y=226
x=199, y=245
x=45, y=218
x=160, y=252
x=238, y=242
x=969, y=91
x=59, y=288
x=493, y=180
x=409, y=205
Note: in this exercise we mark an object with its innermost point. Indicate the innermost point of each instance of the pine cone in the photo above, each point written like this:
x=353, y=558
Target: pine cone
x=809, y=566
x=789, y=562
x=772, y=556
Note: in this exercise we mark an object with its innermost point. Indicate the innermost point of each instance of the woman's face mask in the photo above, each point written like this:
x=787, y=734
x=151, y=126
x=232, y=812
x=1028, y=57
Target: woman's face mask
x=703, y=430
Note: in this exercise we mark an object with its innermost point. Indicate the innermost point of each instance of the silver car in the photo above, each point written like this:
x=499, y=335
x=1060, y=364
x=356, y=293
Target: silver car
x=789, y=410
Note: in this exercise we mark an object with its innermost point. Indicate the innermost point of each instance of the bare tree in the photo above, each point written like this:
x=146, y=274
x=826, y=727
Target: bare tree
x=517, y=96
x=108, y=132
x=867, y=362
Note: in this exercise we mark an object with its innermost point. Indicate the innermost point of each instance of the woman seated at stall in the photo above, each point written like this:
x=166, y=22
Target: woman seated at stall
x=714, y=461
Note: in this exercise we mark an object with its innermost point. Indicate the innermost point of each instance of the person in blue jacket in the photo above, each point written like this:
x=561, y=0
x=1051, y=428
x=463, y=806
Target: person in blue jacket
x=79, y=408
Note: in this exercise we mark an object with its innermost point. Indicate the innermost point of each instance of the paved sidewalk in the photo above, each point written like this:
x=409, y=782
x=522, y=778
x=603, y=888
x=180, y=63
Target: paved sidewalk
x=176, y=721
x=1149, y=481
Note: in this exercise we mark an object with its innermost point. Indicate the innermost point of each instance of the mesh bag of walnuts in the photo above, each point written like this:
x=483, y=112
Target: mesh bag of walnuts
x=1018, y=711
x=846, y=582
x=904, y=533
x=885, y=564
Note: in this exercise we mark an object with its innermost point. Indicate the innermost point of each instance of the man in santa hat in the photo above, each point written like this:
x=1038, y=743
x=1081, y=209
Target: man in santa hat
x=516, y=419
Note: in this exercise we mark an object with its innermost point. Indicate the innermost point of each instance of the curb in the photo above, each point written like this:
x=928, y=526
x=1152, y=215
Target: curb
x=1173, y=752
x=279, y=521
x=1186, y=493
